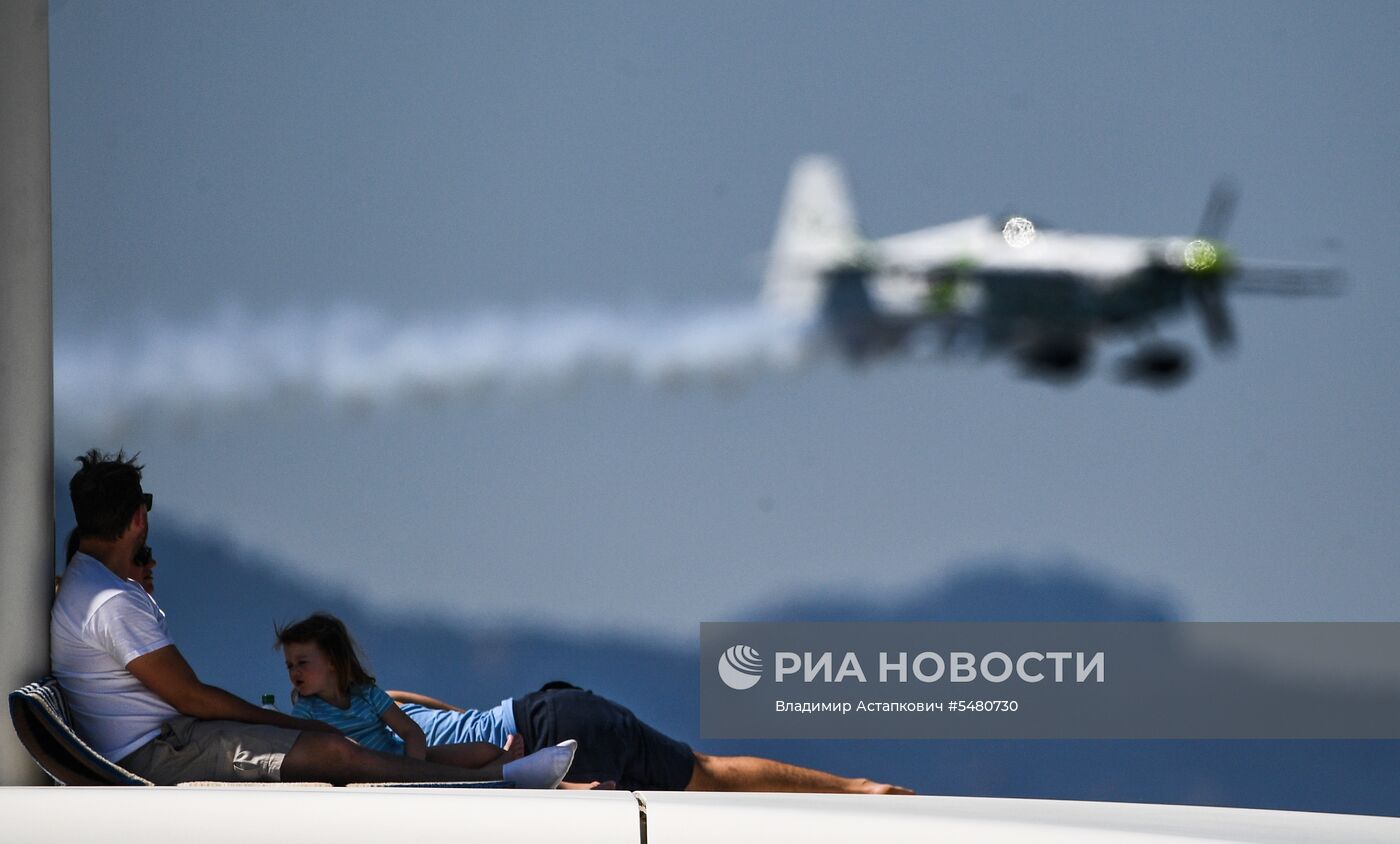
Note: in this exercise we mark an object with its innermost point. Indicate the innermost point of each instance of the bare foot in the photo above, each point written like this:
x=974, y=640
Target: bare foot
x=871, y=787
x=606, y=785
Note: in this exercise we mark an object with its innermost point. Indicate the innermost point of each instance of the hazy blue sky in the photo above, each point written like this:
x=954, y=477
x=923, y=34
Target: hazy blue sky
x=441, y=162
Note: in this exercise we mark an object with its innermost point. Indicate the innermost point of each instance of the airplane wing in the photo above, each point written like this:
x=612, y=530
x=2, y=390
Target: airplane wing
x=914, y=252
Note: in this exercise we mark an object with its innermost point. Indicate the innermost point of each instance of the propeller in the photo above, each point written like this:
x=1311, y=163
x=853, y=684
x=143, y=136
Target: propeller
x=1220, y=209
x=1206, y=289
x=1215, y=315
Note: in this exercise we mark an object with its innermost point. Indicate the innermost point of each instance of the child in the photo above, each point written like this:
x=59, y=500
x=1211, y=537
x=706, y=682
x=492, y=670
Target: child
x=330, y=684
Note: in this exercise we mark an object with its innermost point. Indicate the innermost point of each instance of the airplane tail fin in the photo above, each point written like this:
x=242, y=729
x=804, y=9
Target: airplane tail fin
x=817, y=229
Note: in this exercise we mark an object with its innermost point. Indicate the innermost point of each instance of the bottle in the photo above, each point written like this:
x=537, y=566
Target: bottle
x=269, y=702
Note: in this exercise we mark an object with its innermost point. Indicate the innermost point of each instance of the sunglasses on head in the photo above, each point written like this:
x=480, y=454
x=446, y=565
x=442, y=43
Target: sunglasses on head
x=143, y=557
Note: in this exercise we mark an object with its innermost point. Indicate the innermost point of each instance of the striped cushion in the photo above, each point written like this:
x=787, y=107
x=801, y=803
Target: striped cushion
x=45, y=728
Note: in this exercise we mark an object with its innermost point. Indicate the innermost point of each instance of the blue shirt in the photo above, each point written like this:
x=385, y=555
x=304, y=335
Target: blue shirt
x=359, y=721
x=443, y=726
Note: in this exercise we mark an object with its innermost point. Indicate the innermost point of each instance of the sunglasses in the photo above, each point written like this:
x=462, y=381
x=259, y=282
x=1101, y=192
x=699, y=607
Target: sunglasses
x=149, y=500
x=143, y=557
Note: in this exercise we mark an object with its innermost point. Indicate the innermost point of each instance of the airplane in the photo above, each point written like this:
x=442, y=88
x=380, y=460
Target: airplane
x=1005, y=286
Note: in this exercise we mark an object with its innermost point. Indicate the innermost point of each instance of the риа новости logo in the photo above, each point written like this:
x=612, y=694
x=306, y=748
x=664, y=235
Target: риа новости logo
x=740, y=667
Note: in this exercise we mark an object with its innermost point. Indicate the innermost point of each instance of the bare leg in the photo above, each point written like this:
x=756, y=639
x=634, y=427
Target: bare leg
x=324, y=757
x=752, y=773
x=469, y=755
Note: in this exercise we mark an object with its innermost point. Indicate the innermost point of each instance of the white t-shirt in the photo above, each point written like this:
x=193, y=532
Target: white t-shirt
x=98, y=625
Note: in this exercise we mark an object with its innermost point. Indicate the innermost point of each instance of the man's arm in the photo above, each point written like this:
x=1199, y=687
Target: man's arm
x=422, y=700
x=165, y=672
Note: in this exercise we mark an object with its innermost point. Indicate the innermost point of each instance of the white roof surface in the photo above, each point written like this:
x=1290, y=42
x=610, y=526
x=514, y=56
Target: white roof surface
x=287, y=813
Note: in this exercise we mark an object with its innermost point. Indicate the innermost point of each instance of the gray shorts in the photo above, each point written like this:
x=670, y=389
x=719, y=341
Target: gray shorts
x=190, y=750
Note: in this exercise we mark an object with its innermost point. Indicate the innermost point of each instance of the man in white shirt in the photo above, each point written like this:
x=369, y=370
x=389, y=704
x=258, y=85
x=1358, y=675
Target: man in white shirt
x=136, y=700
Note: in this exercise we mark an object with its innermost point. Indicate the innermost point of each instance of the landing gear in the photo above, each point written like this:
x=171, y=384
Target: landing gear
x=1060, y=359
x=1158, y=365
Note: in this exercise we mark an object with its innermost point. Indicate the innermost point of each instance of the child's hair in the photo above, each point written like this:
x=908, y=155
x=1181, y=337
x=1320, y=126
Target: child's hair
x=328, y=633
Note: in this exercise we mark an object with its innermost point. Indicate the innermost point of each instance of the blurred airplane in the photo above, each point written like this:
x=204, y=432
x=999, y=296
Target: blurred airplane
x=1005, y=286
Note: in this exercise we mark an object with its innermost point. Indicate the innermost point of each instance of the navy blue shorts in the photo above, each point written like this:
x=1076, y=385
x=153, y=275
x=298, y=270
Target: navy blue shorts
x=613, y=744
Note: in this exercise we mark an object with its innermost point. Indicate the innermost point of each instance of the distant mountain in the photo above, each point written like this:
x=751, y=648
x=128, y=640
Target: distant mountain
x=991, y=589
x=223, y=603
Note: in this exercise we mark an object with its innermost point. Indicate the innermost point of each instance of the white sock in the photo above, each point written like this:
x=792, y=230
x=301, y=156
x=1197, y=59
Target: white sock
x=545, y=768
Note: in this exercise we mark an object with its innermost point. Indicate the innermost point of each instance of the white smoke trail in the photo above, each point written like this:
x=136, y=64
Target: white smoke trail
x=356, y=356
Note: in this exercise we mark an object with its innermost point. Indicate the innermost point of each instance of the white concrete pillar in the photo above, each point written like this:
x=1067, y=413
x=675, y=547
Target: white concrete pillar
x=26, y=364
